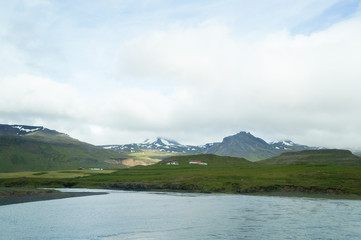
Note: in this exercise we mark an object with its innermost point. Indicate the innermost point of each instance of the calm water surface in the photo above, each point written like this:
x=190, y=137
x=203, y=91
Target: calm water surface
x=145, y=215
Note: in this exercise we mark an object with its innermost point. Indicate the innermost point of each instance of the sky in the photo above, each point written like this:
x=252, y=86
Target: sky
x=195, y=71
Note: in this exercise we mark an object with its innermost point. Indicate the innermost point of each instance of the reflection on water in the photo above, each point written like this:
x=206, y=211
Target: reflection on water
x=145, y=215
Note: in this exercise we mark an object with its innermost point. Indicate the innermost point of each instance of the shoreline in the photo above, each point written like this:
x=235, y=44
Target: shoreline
x=16, y=196
x=23, y=196
x=306, y=195
x=293, y=194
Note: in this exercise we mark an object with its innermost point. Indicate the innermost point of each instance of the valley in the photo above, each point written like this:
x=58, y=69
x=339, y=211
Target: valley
x=33, y=157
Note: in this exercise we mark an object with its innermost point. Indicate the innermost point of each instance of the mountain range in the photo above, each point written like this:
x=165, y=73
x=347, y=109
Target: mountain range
x=158, y=144
x=36, y=148
x=242, y=144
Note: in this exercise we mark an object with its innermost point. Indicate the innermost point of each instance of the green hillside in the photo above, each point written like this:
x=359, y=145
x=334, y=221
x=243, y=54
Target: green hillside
x=213, y=161
x=221, y=175
x=316, y=157
x=51, y=136
x=44, y=150
x=232, y=175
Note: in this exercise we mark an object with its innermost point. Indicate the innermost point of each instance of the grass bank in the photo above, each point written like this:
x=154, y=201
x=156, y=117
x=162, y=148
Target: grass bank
x=221, y=175
x=22, y=195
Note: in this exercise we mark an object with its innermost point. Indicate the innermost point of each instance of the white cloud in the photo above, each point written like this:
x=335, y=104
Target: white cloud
x=38, y=96
x=282, y=82
x=196, y=78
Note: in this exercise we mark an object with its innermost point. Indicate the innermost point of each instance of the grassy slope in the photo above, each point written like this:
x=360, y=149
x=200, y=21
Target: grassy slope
x=223, y=174
x=57, y=152
x=150, y=155
x=54, y=174
x=236, y=178
x=9, y=192
x=316, y=157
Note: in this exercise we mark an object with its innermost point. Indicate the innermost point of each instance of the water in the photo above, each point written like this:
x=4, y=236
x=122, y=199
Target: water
x=144, y=215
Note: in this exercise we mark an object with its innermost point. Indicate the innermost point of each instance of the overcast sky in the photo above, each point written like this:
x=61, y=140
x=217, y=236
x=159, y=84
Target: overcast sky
x=114, y=72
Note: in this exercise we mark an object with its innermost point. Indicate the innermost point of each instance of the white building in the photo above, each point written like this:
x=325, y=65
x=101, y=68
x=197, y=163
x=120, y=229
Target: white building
x=198, y=162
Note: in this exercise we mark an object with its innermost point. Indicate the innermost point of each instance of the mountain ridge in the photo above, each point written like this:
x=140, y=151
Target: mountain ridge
x=46, y=149
x=242, y=144
x=159, y=144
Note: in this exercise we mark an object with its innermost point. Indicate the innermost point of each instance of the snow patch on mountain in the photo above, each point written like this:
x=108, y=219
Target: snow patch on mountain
x=231, y=146
x=288, y=143
x=158, y=144
x=165, y=142
x=27, y=130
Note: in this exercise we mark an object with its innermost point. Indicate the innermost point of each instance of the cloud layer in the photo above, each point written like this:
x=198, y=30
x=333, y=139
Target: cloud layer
x=196, y=78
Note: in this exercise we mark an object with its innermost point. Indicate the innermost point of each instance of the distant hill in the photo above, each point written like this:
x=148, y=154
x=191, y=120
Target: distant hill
x=35, y=148
x=244, y=144
x=211, y=159
x=316, y=157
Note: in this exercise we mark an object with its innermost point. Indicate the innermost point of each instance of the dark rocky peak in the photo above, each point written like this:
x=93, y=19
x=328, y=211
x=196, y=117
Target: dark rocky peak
x=245, y=138
x=16, y=130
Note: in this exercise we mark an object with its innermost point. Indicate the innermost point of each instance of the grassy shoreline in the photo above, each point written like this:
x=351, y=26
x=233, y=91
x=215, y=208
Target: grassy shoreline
x=222, y=175
x=10, y=196
x=308, y=195
x=22, y=195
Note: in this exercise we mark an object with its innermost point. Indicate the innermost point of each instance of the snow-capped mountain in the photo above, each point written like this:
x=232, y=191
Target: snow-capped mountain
x=159, y=144
x=243, y=144
x=288, y=145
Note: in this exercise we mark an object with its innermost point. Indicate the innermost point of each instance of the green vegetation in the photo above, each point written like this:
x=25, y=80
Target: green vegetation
x=316, y=157
x=221, y=175
x=53, y=174
x=153, y=156
x=51, y=136
x=8, y=191
x=34, y=152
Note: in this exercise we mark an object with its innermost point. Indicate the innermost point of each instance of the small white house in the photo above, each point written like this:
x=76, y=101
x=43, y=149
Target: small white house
x=173, y=163
x=96, y=169
x=198, y=163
